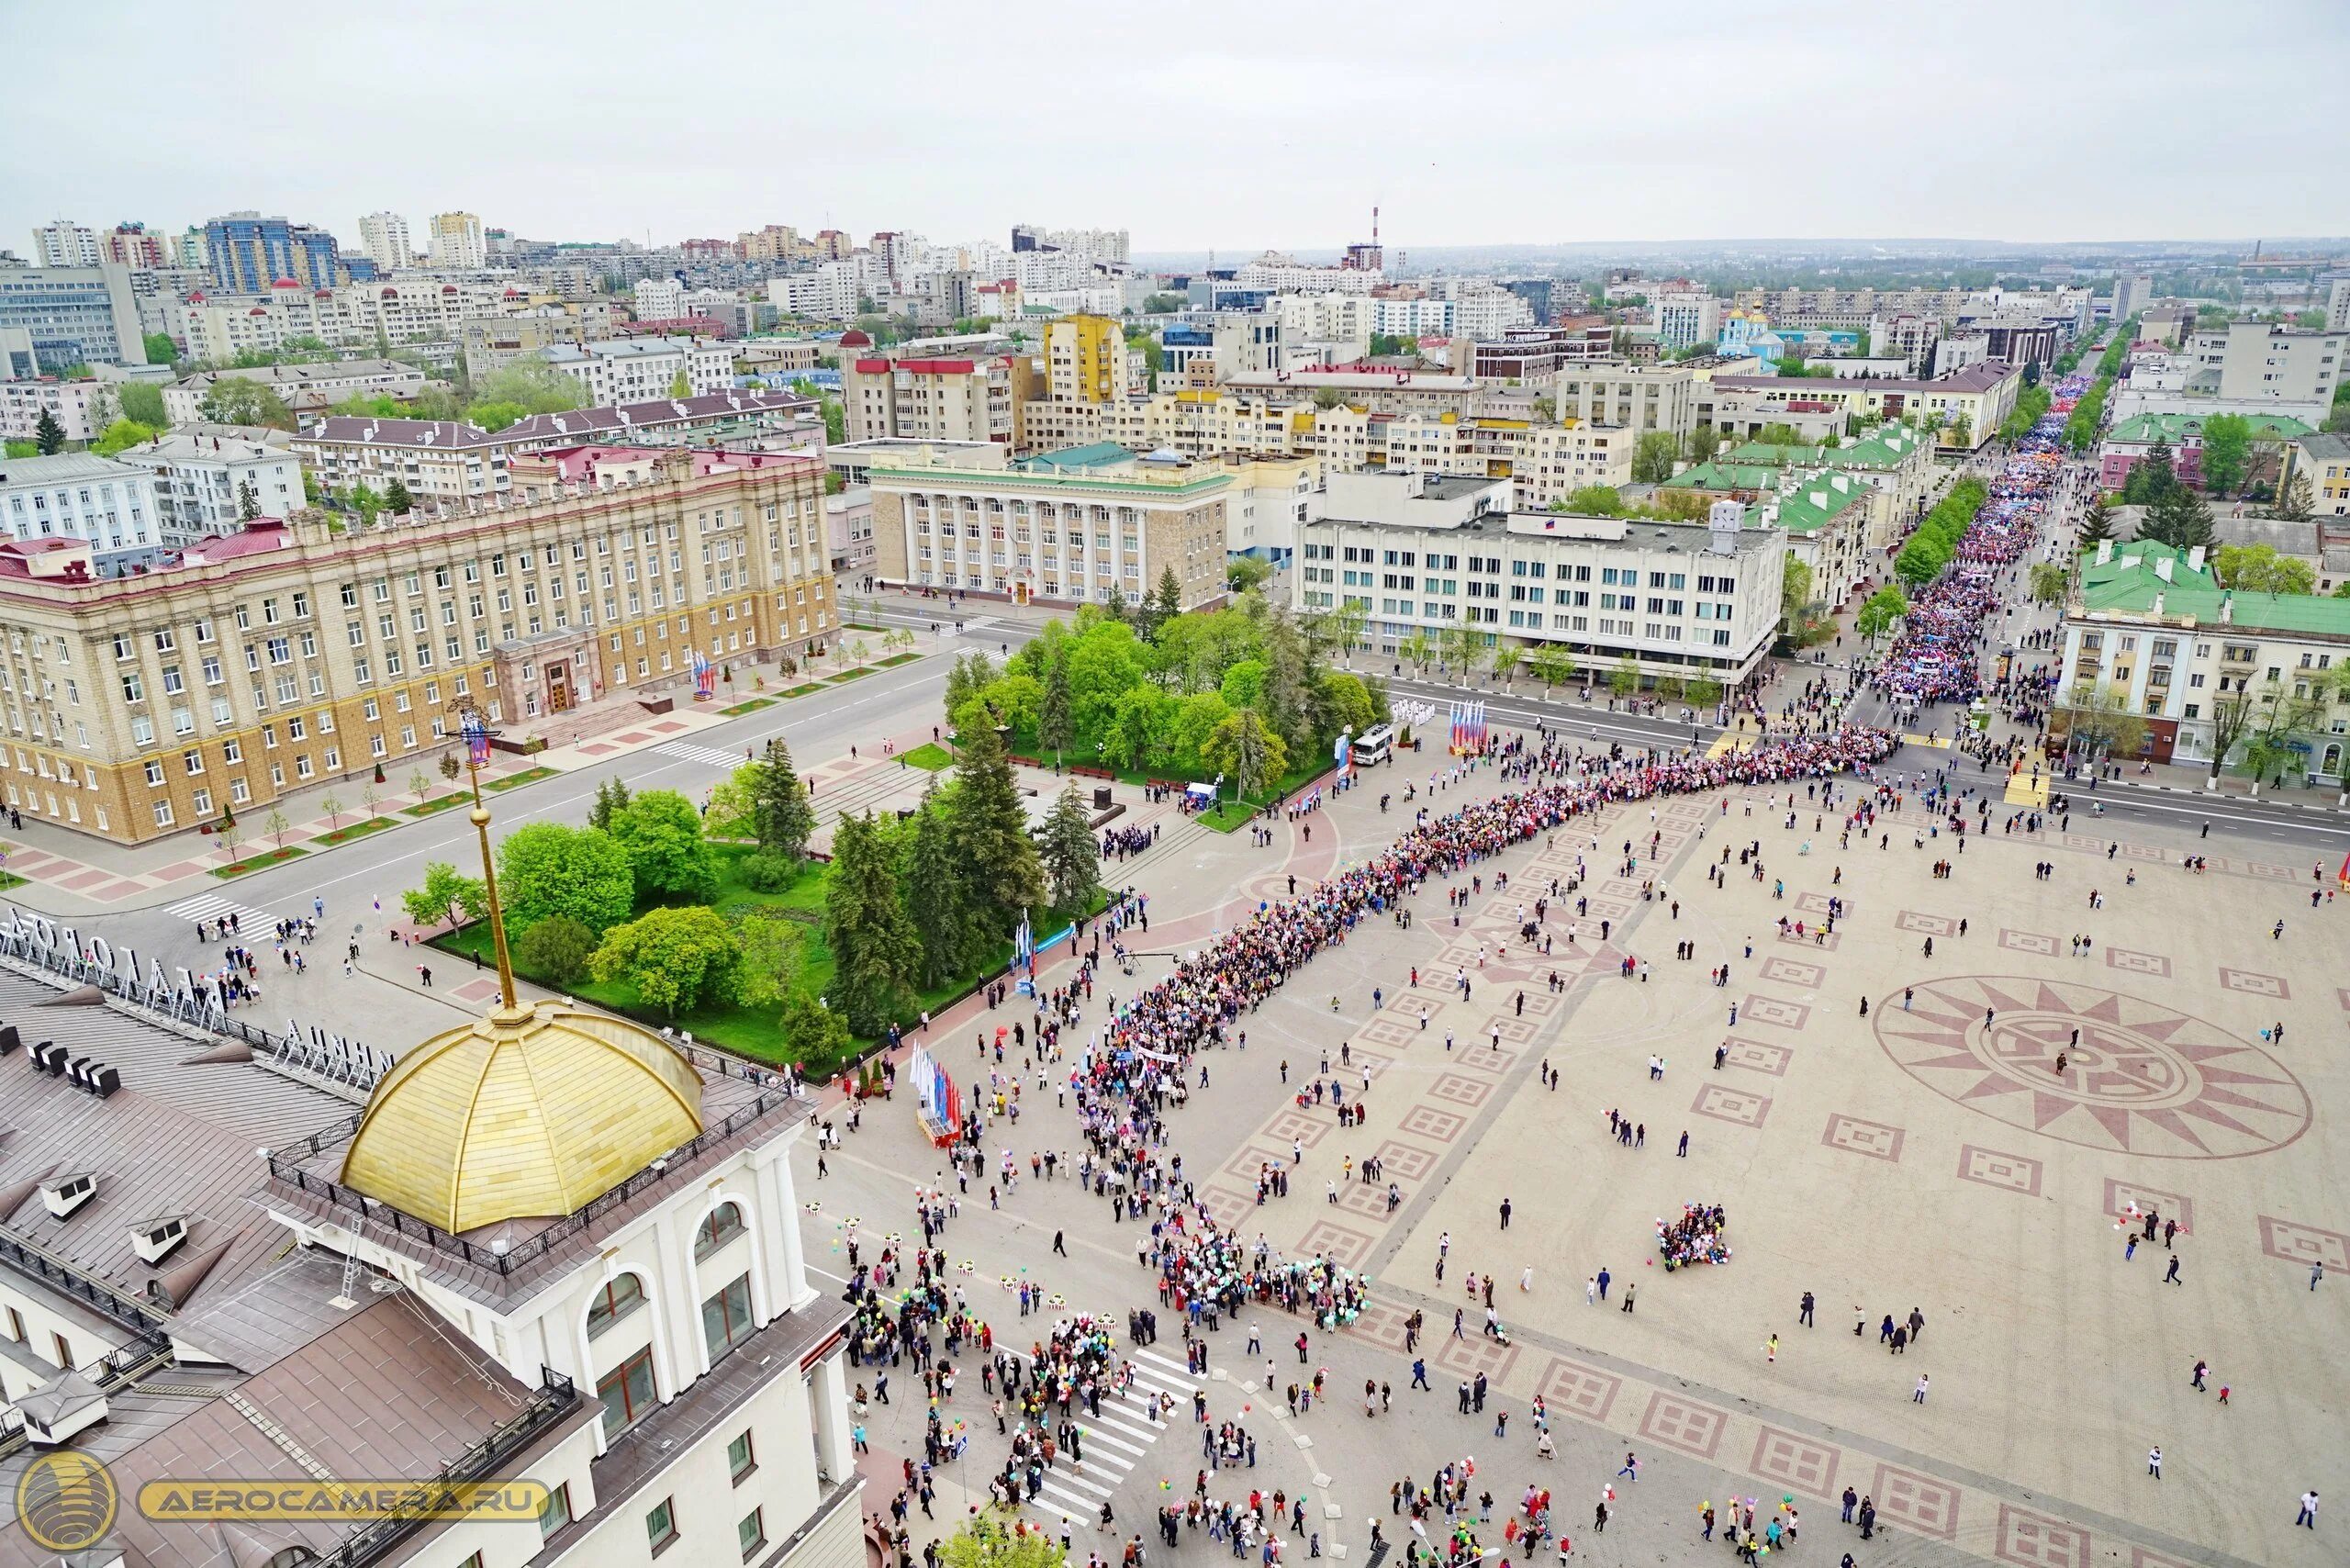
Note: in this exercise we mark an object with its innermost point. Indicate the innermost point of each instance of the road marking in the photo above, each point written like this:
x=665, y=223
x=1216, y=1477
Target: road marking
x=212, y=906
x=686, y=751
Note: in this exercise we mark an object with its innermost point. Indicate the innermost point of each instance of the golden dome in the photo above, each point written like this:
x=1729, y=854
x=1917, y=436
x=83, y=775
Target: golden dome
x=523, y=1114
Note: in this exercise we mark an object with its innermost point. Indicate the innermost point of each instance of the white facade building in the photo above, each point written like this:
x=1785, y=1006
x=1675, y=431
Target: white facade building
x=65, y=244
x=384, y=236
x=1414, y=317
x=456, y=241
x=1685, y=320
x=638, y=370
x=82, y=409
x=110, y=505
x=828, y=293
x=208, y=484
x=1430, y=552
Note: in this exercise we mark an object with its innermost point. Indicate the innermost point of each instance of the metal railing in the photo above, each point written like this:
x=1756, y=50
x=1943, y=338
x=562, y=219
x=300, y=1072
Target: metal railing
x=86, y=1288
x=499, y=1258
x=549, y=1404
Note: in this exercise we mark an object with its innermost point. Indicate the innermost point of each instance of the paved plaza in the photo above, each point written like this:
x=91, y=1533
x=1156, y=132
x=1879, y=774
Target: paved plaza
x=1928, y=1156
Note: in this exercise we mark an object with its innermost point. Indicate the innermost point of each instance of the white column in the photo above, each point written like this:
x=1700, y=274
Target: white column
x=689, y=1351
x=828, y=1406
x=787, y=1257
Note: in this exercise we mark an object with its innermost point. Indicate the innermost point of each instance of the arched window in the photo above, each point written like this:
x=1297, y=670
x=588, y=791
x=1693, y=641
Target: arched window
x=724, y=1224
x=622, y=1295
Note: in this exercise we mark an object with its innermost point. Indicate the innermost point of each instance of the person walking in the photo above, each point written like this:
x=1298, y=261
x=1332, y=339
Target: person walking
x=2171, y=1277
x=1918, y=1396
x=1803, y=1316
x=1627, y=1296
x=2308, y=1515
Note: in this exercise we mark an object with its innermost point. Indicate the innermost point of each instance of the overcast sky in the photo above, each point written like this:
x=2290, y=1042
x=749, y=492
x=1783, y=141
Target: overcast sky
x=1232, y=126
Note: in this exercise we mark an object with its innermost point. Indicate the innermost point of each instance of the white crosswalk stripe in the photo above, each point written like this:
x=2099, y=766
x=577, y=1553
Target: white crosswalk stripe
x=973, y=628
x=1118, y=1440
x=212, y=906
x=686, y=751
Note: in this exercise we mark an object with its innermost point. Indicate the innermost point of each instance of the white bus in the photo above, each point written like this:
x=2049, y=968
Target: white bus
x=1374, y=745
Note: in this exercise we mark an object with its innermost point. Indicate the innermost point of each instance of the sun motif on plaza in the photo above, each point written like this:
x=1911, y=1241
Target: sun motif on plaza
x=2141, y=1078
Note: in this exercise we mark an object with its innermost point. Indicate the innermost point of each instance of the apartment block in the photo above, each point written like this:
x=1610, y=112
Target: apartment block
x=456, y=240
x=1546, y=461
x=106, y=507
x=1437, y=553
x=1970, y=405
x=925, y=394
x=636, y=370
x=213, y=484
x=303, y=388
x=2261, y=360
x=1641, y=397
x=65, y=244
x=249, y=253
x=384, y=236
x=82, y=409
x=1082, y=525
x=2324, y=462
x=288, y=654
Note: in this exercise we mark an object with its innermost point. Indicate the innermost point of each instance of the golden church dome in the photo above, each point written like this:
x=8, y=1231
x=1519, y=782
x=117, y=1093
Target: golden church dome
x=529, y=1112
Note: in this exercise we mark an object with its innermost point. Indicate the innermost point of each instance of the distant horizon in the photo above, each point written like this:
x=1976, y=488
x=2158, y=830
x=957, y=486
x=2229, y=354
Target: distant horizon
x=1238, y=125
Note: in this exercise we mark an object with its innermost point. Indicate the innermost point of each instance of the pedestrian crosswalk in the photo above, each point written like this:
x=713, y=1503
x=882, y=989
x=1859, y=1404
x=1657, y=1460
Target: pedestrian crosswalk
x=1117, y=1441
x=973, y=628
x=212, y=906
x=709, y=755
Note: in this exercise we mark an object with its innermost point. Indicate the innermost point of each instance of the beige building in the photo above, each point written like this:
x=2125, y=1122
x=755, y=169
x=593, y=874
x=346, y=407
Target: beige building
x=1641, y=397
x=1086, y=524
x=1545, y=462
x=287, y=655
x=2324, y=461
x=927, y=395
x=1970, y=405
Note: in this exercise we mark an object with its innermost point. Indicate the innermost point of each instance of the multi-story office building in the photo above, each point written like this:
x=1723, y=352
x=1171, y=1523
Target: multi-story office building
x=1685, y=320
x=2133, y=292
x=2155, y=628
x=65, y=244
x=934, y=393
x=635, y=370
x=1641, y=397
x=249, y=253
x=493, y=343
x=1547, y=462
x=1085, y=360
x=547, y=1250
x=303, y=388
x=1087, y=525
x=105, y=506
x=1435, y=552
x=1970, y=405
x=384, y=236
x=61, y=316
x=82, y=409
x=1530, y=355
x=2261, y=362
x=214, y=484
x=1381, y=391
x=455, y=240
x=289, y=653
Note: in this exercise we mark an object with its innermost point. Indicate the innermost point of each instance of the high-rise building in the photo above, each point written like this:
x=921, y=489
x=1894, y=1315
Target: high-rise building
x=130, y=245
x=456, y=241
x=2133, y=292
x=249, y=253
x=2337, y=305
x=384, y=236
x=189, y=249
x=1085, y=360
x=70, y=315
x=65, y=244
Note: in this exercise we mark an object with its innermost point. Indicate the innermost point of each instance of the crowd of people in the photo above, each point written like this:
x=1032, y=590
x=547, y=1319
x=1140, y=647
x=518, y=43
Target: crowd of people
x=1699, y=1236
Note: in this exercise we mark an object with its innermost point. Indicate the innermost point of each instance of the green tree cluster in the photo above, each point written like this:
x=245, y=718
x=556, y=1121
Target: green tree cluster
x=1932, y=547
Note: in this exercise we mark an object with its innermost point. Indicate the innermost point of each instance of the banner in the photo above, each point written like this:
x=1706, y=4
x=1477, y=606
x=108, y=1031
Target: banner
x=1343, y=754
x=477, y=739
x=704, y=676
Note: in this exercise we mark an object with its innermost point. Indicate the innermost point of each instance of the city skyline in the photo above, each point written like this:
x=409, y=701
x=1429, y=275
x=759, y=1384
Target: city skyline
x=1998, y=127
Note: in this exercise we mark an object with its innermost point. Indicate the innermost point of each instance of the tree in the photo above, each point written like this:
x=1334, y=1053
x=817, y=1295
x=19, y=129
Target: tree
x=2100, y=719
x=1880, y=610
x=2295, y=500
x=1054, y=731
x=935, y=889
x=1072, y=857
x=1795, y=592
x=2227, y=452
x=782, y=817
x=1551, y=665
x=1418, y=648
x=557, y=949
x=2280, y=715
x=1328, y=397
x=985, y=1543
x=2257, y=568
x=550, y=869
x=991, y=838
x=1624, y=678
x=1507, y=661
x=533, y=384
x=1244, y=751
x=396, y=497
x=680, y=386
x=2097, y=522
x=16, y=448
x=48, y=434
x=275, y=825
x=2179, y=518
x=2048, y=583
x=161, y=349
x=1593, y=501
x=677, y=958
x=247, y=501
x=1245, y=572
x=874, y=944
x=1653, y=458
x=447, y=896
x=662, y=834
x=2232, y=715
x=2031, y=373
x=2152, y=476
x=1165, y=604
x=122, y=435
x=1703, y=691
x=612, y=794
x=143, y=401
x=241, y=400
x=1704, y=442
x=812, y=1031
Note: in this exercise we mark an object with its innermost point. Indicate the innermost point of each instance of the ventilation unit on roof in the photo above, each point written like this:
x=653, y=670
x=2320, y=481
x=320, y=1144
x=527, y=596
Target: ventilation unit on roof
x=48, y=1057
x=153, y=1239
x=64, y=1195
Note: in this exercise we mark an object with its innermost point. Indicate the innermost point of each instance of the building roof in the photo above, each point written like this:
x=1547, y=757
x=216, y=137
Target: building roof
x=1097, y=454
x=303, y=374
x=2323, y=447
x=2128, y=585
x=2144, y=429
x=522, y=1117
x=65, y=468
x=1817, y=501
x=366, y=429
x=1720, y=476
x=621, y=348
x=179, y=446
x=1981, y=376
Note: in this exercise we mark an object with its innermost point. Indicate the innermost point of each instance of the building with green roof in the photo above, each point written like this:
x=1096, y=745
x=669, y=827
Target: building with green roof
x=2153, y=627
x=2127, y=444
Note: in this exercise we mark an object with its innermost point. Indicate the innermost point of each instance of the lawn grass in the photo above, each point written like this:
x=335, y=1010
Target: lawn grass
x=744, y=1031
x=750, y=705
x=897, y=659
x=435, y=807
x=803, y=688
x=356, y=830
x=930, y=756
x=850, y=673
x=516, y=780
x=260, y=862
x=10, y=879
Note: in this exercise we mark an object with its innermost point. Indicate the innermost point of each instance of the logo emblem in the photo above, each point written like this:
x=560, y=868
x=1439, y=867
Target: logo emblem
x=67, y=1501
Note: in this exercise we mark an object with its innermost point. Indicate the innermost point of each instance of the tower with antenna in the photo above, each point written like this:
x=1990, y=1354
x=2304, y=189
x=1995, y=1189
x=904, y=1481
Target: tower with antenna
x=1366, y=257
